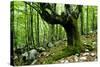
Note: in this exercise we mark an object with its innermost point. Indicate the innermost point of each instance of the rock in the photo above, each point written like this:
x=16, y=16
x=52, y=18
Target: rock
x=33, y=62
x=76, y=59
x=25, y=56
x=62, y=61
x=33, y=54
x=86, y=50
x=77, y=54
x=50, y=45
x=92, y=54
x=30, y=55
x=90, y=58
x=83, y=58
x=71, y=59
x=43, y=53
x=85, y=54
x=40, y=49
x=66, y=61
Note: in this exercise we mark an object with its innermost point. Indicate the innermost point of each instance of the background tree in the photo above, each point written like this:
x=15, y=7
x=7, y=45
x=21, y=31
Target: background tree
x=87, y=21
x=82, y=22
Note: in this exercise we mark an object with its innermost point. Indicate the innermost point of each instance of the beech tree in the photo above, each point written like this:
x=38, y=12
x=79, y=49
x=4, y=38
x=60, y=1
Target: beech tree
x=67, y=19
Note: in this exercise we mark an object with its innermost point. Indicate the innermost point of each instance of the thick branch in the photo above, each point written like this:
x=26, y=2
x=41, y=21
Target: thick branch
x=51, y=19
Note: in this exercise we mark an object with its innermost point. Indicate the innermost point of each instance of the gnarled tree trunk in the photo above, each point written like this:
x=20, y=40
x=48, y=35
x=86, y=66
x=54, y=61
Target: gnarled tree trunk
x=73, y=37
x=67, y=19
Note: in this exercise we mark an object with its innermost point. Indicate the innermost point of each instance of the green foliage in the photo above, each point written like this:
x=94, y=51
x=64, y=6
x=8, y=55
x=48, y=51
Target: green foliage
x=38, y=33
x=20, y=23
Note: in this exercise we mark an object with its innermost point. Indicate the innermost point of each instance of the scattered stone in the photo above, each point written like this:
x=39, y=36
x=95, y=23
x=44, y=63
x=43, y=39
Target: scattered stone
x=71, y=58
x=77, y=55
x=92, y=54
x=25, y=55
x=43, y=53
x=90, y=58
x=33, y=54
x=85, y=54
x=30, y=55
x=41, y=49
x=33, y=62
x=66, y=61
x=62, y=61
x=76, y=59
x=50, y=45
x=83, y=58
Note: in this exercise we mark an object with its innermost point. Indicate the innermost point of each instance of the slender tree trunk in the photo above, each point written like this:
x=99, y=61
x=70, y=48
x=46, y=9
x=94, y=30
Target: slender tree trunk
x=52, y=26
x=26, y=34
x=44, y=35
x=57, y=34
x=82, y=22
x=12, y=32
x=93, y=20
x=31, y=18
x=60, y=32
x=38, y=43
x=52, y=32
x=87, y=22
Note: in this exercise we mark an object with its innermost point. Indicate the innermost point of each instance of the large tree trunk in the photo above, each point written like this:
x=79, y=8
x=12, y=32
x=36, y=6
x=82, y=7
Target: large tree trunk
x=73, y=37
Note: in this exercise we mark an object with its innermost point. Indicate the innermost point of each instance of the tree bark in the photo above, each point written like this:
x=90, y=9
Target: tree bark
x=12, y=32
x=38, y=41
x=82, y=23
x=93, y=19
x=73, y=37
x=87, y=22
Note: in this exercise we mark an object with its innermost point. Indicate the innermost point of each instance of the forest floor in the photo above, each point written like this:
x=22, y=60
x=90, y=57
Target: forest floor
x=59, y=53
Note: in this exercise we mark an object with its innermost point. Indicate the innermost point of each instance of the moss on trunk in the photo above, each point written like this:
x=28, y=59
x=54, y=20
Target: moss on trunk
x=73, y=36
